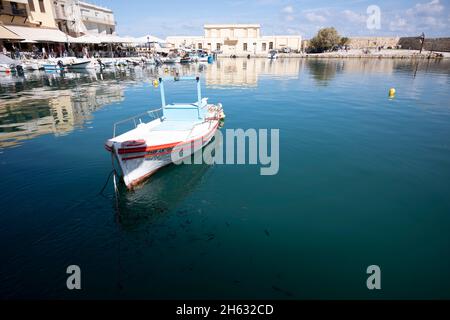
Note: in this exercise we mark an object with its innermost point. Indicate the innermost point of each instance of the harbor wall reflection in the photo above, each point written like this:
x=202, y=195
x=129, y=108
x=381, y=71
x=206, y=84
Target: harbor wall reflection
x=323, y=71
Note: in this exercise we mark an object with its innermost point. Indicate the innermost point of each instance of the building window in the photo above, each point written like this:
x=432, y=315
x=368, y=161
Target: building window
x=1, y=4
x=200, y=46
x=264, y=46
x=245, y=46
x=270, y=45
x=31, y=4
x=41, y=6
x=218, y=46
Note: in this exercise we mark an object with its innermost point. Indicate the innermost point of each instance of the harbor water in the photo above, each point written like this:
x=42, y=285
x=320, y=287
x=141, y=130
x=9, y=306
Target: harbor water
x=363, y=180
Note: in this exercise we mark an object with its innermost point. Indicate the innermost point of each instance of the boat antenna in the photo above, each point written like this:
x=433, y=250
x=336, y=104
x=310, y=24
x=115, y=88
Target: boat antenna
x=163, y=95
x=199, y=95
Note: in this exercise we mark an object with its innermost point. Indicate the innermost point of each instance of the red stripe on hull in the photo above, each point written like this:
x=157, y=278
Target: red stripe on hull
x=162, y=153
x=162, y=146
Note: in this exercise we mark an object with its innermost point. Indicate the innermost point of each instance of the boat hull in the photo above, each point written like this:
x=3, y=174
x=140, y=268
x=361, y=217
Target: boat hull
x=79, y=66
x=138, y=165
x=52, y=68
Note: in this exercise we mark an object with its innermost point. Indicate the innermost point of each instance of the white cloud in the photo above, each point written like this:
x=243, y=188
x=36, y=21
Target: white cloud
x=432, y=22
x=354, y=17
x=422, y=17
x=314, y=17
x=288, y=9
x=430, y=8
x=399, y=24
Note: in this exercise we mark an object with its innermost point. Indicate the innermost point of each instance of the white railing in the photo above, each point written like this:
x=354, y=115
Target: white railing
x=101, y=20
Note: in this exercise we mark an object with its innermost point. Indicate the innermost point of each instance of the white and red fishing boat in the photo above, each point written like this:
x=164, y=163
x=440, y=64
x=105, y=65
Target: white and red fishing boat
x=175, y=130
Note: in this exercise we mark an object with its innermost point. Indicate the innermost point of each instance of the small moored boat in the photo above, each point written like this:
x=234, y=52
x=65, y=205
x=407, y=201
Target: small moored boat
x=186, y=59
x=172, y=58
x=273, y=54
x=52, y=66
x=178, y=128
x=79, y=65
x=31, y=66
x=6, y=68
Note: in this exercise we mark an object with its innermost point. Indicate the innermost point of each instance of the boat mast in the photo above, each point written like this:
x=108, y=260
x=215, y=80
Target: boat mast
x=199, y=96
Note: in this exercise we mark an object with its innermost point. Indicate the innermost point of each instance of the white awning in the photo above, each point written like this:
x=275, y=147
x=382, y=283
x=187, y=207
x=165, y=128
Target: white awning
x=39, y=34
x=114, y=39
x=85, y=39
x=7, y=34
x=149, y=38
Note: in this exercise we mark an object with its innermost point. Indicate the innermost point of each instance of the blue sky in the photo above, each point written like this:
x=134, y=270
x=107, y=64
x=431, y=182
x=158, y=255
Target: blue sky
x=304, y=17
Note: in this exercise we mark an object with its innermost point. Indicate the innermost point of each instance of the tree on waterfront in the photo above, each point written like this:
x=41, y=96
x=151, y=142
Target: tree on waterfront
x=344, y=41
x=326, y=39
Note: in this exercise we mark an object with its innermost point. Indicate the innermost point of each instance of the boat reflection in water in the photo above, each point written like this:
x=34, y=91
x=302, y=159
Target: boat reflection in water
x=164, y=191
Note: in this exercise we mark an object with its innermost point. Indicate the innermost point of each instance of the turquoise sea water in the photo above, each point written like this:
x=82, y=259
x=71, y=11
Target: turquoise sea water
x=363, y=180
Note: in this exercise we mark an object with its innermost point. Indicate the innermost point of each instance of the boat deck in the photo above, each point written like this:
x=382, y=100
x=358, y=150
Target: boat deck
x=174, y=125
x=165, y=132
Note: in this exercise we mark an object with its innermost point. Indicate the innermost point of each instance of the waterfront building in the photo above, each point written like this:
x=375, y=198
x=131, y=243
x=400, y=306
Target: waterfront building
x=97, y=20
x=53, y=20
x=30, y=20
x=28, y=13
x=236, y=39
x=76, y=18
x=68, y=17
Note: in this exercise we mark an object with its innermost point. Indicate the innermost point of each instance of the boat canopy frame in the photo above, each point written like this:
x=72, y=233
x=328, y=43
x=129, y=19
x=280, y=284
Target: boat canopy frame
x=175, y=79
x=159, y=113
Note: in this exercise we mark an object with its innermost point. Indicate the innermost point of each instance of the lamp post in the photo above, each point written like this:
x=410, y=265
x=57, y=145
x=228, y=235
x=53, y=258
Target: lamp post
x=422, y=41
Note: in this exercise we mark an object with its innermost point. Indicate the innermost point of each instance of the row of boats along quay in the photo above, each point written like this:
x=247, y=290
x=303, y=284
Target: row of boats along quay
x=186, y=56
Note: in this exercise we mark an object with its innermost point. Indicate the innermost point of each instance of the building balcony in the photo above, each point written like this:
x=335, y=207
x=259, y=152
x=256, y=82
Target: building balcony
x=13, y=11
x=104, y=21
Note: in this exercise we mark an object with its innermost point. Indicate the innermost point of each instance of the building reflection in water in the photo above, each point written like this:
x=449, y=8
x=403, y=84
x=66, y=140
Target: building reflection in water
x=39, y=111
x=54, y=103
x=247, y=72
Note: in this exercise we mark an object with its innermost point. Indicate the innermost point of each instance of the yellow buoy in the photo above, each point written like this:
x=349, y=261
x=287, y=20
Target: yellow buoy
x=155, y=83
x=391, y=93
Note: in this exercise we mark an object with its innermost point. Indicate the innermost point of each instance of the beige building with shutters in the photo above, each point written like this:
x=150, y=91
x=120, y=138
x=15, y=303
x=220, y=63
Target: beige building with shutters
x=236, y=39
x=29, y=13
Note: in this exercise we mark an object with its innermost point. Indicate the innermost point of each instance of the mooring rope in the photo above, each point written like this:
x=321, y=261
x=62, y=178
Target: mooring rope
x=113, y=171
x=106, y=183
